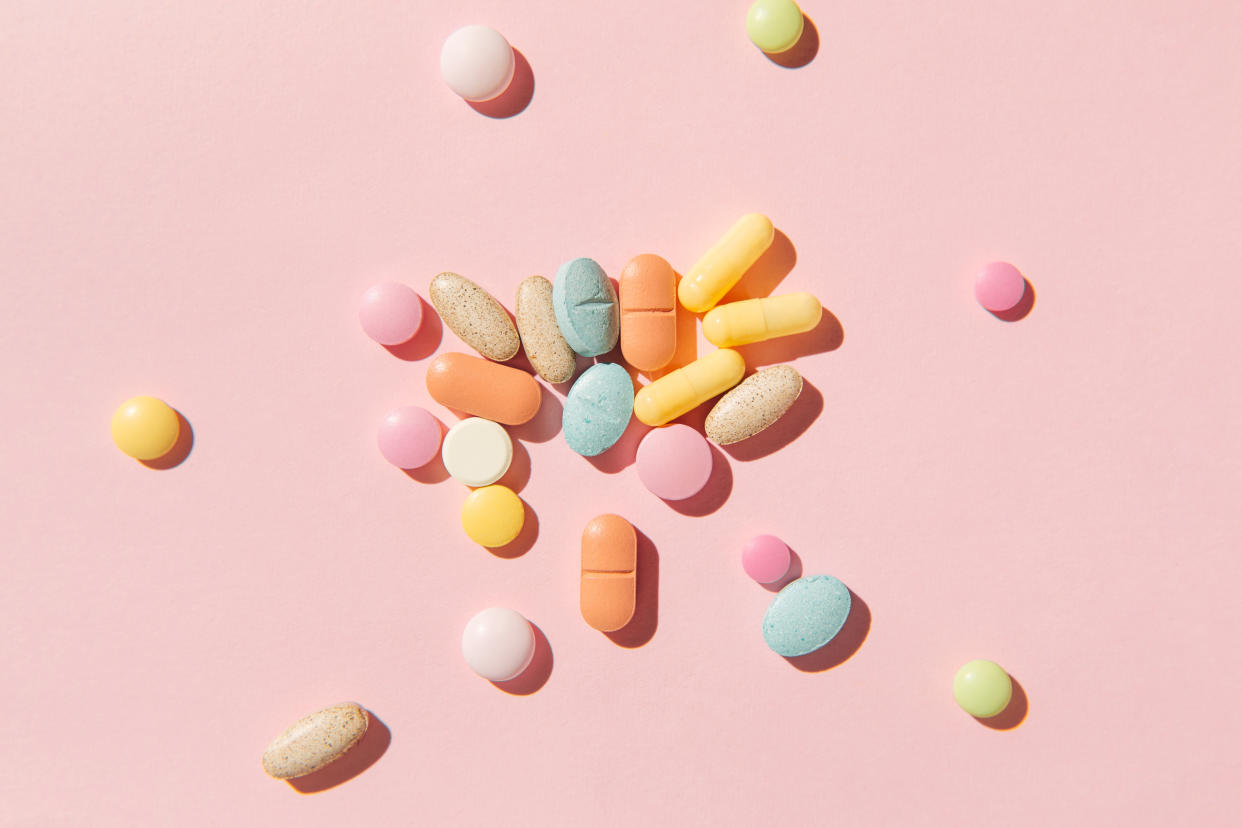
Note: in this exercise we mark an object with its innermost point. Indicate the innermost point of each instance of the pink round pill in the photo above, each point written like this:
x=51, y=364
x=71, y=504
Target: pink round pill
x=391, y=313
x=409, y=437
x=765, y=558
x=674, y=462
x=999, y=286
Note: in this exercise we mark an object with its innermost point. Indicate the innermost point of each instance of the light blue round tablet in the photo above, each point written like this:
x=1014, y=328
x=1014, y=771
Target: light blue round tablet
x=598, y=409
x=806, y=615
x=585, y=304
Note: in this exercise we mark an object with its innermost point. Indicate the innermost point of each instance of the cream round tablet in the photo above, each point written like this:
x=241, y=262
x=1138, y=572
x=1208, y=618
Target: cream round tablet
x=477, y=452
x=498, y=644
x=477, y=62
x=674, y=462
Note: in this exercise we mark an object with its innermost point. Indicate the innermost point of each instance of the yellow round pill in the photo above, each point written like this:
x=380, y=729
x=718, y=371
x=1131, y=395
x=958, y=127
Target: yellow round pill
x=145, y=428
x=982, y=688
x=774, y=26
x=492, y=516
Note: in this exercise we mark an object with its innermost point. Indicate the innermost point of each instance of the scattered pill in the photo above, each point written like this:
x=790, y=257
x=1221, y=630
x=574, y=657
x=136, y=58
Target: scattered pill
x=754, y=320
x=674, y=462
x=608, y=587
x=761, y=400
x=648, y=294
x=586, y=307
x=774, y=25
x=409, y=437
x=686, y=388
x=547, y=350
x=477, y=452
x=999, y=286
x=806, y=615
x=485, y=389
x=145, y=428
x=477, y=62
x=475, y=316
x=766, y=558
x=315, y=741
x=712, y=276
x=390, y=313
x=493, y=516
x=498, y=644
x=598, y=409
x=982, y=688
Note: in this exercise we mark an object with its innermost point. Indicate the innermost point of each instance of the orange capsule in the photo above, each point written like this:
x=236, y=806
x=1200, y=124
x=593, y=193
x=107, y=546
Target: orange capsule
x=483, y=388
x=608, y=589
x=648, y=312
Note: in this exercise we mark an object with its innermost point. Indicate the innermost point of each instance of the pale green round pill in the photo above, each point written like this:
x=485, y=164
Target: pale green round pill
x=982, y=688
x=774, y=25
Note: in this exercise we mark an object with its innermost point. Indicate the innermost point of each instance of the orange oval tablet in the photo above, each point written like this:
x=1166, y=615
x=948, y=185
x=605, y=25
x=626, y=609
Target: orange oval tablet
x=648, y=312
x=608, y=590
x=485, y=389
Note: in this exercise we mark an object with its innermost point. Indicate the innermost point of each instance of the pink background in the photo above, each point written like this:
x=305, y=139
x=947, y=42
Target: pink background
x=195, y=196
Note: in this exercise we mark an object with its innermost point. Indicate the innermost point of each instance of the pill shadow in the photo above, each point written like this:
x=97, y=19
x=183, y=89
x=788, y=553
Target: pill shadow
x=367, y=752
x=623, y=453
x=827, y=336
x=1014, y=713
x=1024, y=307
x=802, y=52
x=795, y=422
x=842, y=648
x=181, y=449
x=642, y=627
x=546, y=423
x=792, y=574
x=712, y=496
x=424, y=343
x=433, y=472
x=526, y=538
x=518, y=474
x=537, y=673
x=516, y=97
x=768, y=271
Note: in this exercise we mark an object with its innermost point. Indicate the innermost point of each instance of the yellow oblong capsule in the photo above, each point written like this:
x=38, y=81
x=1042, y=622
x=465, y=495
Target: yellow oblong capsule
x=674, y=394
x=754, y=320
x=712, y=276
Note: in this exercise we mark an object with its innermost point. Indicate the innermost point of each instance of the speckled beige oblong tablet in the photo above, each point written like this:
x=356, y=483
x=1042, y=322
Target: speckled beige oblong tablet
x=548, y=352
x=754, y=405
x=475, y=316
x=315, y=741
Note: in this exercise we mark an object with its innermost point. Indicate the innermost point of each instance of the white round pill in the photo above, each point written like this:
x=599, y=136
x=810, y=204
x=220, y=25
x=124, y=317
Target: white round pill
x=498, y=644
x=477, y=452
x=477, y=62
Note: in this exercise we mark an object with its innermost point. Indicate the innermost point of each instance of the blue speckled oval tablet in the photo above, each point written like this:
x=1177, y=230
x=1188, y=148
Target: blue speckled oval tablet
x=598, y=409
x=585, y=303
x=806, y=615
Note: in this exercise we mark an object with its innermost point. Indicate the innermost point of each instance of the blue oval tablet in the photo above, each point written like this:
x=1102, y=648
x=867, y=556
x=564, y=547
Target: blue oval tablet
x=585, y=303
x=598, y=409
x=806, y=615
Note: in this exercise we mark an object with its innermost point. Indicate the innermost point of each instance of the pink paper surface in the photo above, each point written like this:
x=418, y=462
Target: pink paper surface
x=195, y=195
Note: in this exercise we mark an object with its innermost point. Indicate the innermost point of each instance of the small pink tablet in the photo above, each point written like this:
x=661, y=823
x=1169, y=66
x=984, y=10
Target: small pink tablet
x=409, y=437
x=999, y=286
x=674, y=462
x=765, y=558
x=391, y=313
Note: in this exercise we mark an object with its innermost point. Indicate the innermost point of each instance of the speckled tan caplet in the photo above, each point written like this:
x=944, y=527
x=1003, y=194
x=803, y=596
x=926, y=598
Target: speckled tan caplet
x=475, y=316
x=315, y=741
x=754, y=405
x=548, y=352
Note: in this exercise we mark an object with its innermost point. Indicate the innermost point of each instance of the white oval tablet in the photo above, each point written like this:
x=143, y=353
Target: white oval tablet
x=477, y=62
x=498, y=644
x=477, y=452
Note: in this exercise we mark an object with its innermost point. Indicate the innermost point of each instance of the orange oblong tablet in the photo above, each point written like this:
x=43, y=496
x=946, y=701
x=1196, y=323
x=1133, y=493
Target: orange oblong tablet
x=483, y=388
x=648, y=288
x=608, y=591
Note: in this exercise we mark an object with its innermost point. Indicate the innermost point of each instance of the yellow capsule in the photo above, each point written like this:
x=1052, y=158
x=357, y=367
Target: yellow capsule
x=754, y=320
x=145, y=428
x=674, y=394
x=709, y=280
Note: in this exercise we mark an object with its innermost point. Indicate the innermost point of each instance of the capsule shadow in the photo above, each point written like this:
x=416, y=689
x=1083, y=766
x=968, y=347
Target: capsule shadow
x=713, y=495
x=802, y=52
x=526, y=538
x=367, y=752
x=516, y=97
x=181, y=449
x=795, y=422
x=424, y=343
x=537, y=673
x=1014, y=713
x=843, y=647
x=642, y=627
x=1024, y=307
